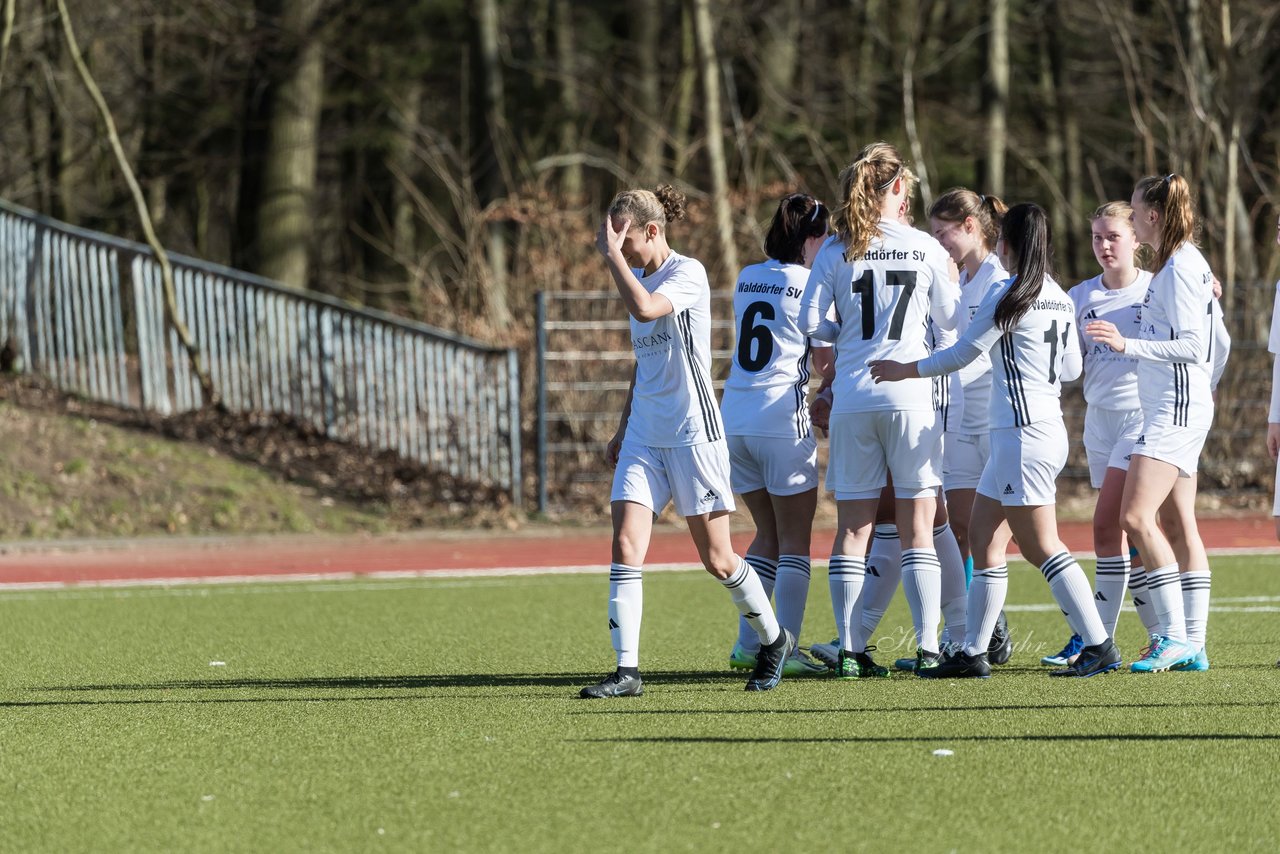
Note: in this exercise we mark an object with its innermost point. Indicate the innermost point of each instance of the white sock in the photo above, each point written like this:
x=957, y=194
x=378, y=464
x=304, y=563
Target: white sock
x=845, y=574
x=1142, y=600
x=884, y=571
x=767, y=570
x=954, y=596
x=792, y=591
x=626, y=601
x=987, y=592
x=922, y=583
x=1195, y=604
x=1110, y=579
x=1165, y=589
x=1070, y=588
x=748, y=594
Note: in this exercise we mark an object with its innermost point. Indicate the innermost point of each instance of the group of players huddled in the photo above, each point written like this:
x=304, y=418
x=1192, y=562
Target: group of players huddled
x=942, y=355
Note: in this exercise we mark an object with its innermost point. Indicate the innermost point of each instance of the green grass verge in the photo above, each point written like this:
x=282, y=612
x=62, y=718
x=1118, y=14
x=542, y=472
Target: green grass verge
x=434, y=715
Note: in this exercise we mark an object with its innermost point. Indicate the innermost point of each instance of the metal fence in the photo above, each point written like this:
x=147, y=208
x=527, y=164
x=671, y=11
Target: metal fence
x=584, y=361
x=86, y=311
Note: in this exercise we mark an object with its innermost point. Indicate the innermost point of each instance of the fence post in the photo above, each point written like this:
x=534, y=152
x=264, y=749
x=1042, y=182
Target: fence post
x=32, y=342
x=541, y=302
x=517, y=473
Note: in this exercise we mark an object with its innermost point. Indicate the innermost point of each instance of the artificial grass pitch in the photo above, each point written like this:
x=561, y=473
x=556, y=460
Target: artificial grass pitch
x=441, y=714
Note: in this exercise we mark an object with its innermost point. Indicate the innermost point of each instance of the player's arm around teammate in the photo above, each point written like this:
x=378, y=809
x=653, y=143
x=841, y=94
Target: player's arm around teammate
x=1027, y=323
x=1174, y=380
x=772, y=450
x=671, y=446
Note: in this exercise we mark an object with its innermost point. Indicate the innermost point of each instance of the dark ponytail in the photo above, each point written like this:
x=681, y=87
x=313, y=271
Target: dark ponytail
x=797, y=218
x=1025, y=230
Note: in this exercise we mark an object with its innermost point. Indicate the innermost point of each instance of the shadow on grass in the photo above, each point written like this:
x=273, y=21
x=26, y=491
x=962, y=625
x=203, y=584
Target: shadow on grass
x=1023, y=707
x=452, y=680
x=921, y=739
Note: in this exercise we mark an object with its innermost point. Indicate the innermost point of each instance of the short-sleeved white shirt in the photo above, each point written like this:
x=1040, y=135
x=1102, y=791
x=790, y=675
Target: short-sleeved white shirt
x=673, y=403
x=884, y=301
x=1110, y=378
x=768, y=386
x=1273, y=341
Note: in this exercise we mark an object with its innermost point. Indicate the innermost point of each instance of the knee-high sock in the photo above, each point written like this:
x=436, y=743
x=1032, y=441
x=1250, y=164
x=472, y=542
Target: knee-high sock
x=1070, y=588
x=845, y=575
x=767, y=570
x=792, y=591
x=748, y=595
x=987, y=592
x=884, y=571
x=955, y=602
x=1110, y=578
x=922, y=584
x=1195, y=605
x=1142, y=599
x=1165, y=589
x=626, y=602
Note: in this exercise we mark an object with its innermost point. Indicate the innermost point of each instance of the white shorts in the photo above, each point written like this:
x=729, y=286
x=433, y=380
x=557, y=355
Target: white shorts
x=695, y=477
x=1025, y=464
x=868, y=446
x=778, y=465
x=1109, y=435
x=964, y=457
x=1178, y=446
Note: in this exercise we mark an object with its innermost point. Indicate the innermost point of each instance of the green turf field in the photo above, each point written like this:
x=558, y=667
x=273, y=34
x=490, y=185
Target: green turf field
x=436, y=715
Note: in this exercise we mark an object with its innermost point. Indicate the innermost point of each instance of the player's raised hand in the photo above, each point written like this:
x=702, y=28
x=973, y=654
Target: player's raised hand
x=1105, y=332
x=608, y=240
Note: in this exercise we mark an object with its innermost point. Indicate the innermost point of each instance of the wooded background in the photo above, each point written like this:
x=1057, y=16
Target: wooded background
x=448, y=159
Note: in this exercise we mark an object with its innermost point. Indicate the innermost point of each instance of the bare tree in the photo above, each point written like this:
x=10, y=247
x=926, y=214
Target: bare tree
x=709, y=67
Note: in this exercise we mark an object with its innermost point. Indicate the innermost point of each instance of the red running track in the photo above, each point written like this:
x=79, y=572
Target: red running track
x=116, y=561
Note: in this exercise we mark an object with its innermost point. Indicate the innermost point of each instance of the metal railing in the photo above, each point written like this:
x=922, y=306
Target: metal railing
x=87, y=311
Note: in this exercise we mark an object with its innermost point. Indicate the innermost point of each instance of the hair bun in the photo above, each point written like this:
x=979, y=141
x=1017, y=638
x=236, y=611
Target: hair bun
x=672, y=201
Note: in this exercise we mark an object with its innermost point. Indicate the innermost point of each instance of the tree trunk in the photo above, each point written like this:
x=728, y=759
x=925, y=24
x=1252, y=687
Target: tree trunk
x=570, y=106
x=709, y=65
x=646, y=127
x=286, y=210
x=996, y=94
x=491, y=160
x=684, y=90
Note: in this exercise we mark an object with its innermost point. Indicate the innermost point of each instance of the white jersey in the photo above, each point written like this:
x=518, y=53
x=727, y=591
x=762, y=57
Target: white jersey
x=1110, y=378
x=1273, y=340
x=1030, y=362
x=673, y=404
x=1174, y=345
x=884, y=301
x=948, y=393
x=768, y=387
x=975, y=377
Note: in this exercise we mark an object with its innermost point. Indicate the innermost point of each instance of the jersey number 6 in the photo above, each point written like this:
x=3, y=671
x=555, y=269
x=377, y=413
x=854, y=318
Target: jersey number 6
x=759, y=336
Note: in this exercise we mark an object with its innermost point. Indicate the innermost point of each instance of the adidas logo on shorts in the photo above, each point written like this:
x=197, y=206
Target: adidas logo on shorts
x=1092, y=315
x=710, y=496
x=1141, y=440
x=1008, y=489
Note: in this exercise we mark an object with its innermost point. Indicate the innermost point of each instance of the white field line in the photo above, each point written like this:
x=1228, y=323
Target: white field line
x=381, y=580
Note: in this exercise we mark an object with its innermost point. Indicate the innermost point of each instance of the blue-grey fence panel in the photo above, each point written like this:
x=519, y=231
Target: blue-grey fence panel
x=88, y=312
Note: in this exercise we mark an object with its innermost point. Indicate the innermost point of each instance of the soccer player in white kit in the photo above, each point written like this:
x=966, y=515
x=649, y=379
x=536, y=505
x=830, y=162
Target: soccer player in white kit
x=670, y=440
x=773, y=454
x=967, y=225
x=1113, y=414
x=1273, y=417
x=886, y=281
x=1027, y=323
x=1175, y=366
